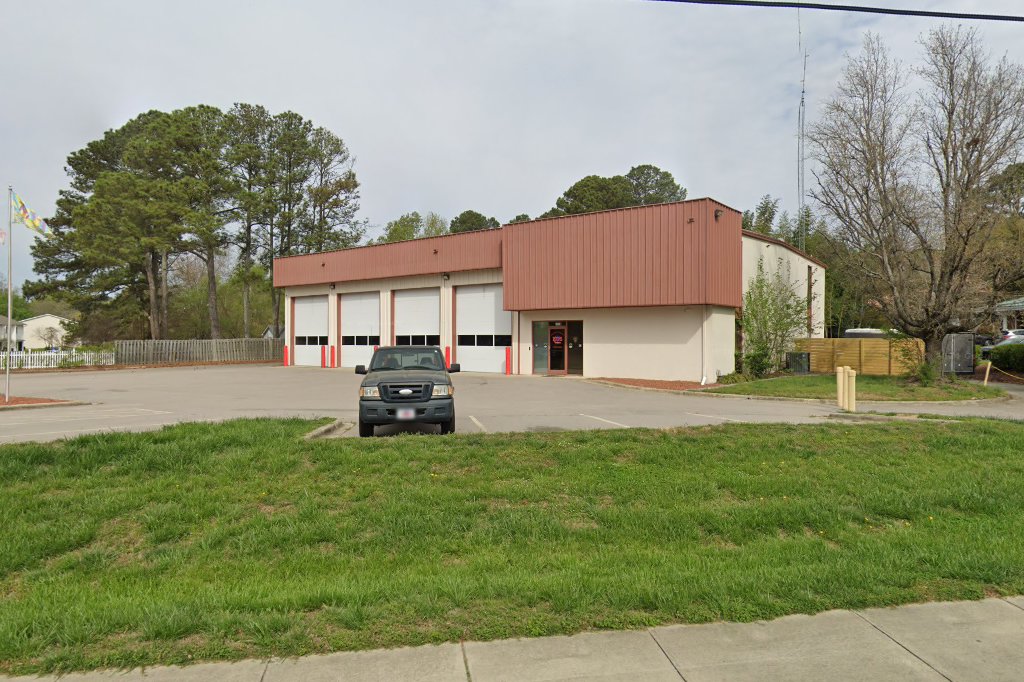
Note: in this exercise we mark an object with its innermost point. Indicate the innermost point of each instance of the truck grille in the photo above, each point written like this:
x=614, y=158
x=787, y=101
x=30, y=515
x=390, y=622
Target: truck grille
x=393, y=392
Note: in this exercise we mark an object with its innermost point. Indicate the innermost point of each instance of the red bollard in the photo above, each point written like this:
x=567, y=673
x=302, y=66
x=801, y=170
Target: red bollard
x=448, y=357
x=508, y=360
x=333, y=364
x=323, y=357
x=286, y=356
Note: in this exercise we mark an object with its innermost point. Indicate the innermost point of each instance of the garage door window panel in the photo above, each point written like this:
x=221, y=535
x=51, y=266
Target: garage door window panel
x=360, y=325
x=482, y=327
x=310, y=328
x=418, y=317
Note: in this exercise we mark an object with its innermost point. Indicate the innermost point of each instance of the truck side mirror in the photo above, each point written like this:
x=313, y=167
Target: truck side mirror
x=454, y=368
x=360, y=369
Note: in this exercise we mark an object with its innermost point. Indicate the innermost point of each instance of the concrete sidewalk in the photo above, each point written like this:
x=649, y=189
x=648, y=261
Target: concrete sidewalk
x=982, y=640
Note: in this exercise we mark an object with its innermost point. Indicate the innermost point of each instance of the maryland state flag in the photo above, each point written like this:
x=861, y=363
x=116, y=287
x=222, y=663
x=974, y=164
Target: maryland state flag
x=26, y=215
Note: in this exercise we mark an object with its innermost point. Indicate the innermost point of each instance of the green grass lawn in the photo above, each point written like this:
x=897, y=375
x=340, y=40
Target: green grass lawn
x=868, y=388
x=236, y=540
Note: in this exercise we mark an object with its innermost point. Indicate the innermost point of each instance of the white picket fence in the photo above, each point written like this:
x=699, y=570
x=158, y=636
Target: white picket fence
x=45, y=359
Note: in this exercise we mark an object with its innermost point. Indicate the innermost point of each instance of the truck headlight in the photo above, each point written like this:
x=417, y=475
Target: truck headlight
x=442, y=391
x=369, y=392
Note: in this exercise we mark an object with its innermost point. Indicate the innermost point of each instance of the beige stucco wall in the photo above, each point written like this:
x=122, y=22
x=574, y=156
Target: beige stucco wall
x=643, y=343
x=776, y=257
x=35, y=328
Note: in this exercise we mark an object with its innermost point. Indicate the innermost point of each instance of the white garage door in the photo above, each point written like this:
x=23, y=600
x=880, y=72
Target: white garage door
x=310, y=329
x=483, y=329
x=417, y=317
x=360, y=327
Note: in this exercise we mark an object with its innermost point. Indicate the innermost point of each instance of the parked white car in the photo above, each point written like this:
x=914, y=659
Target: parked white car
x=986, y=351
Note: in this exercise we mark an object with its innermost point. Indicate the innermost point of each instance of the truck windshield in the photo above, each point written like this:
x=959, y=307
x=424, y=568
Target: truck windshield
x=407, y=358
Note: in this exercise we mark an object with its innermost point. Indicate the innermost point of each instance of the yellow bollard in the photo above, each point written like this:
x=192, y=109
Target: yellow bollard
x=988, y=368
x=851, y=388
x=841, y=387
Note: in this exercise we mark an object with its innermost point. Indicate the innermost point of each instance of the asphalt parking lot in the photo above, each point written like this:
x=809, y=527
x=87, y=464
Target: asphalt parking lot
x=141, y=399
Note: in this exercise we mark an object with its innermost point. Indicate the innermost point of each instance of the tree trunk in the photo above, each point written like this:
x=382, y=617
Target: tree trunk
x=276, y=296
x=933, y=349
x=163, y=295
x=245, y=309
x=211, y=292
x=246, y=274
x=154, y=307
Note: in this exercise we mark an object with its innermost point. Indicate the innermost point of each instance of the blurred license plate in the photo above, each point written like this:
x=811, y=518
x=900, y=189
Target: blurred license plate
x=407, y=413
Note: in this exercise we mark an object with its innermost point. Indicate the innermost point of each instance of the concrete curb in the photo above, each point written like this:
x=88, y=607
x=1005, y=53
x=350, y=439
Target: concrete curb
x=823, y=401
x=687, y=391
x=869, y=417
x=912, y=640
x=31, y=406
x=328, y=430
x=707, y=392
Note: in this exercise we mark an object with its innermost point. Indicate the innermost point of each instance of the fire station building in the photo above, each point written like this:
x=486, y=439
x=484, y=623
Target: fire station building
x=649, y=292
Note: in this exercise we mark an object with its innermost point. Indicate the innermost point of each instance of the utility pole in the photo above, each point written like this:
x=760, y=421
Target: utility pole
x=10, y=295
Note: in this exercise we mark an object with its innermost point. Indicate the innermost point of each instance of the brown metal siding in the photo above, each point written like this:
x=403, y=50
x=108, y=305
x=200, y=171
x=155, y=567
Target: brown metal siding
x=453, y=253
x=670, y=254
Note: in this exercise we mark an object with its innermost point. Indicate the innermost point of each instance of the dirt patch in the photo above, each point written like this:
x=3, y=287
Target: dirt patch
x=24, y=400
x=995, y=376
x=820, y=535
x=626, y=457
x=272, y=509
x=721, y=542
x=580, y=524
x=657, y=384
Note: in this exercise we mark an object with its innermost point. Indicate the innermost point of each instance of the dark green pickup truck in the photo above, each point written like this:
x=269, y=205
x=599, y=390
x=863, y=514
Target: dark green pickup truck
x=406, y=384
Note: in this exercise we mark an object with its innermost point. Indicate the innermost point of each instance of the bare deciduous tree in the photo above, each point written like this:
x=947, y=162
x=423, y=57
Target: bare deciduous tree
x=905, y=176
x=51, y=336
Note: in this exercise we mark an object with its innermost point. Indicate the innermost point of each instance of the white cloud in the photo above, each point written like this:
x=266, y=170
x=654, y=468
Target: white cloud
x=452, y=104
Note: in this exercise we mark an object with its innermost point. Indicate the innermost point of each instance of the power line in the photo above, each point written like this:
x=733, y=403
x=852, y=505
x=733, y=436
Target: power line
x=856, y=8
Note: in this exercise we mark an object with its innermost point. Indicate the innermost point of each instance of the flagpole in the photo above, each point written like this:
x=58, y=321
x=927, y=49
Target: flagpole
x=10, y=294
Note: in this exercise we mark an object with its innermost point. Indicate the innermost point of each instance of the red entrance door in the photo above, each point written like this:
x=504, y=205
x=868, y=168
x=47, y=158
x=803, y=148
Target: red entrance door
x=556, y=350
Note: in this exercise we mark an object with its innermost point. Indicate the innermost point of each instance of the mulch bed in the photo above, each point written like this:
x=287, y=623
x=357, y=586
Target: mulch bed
x=658, y=384
x=20, y=400
x=996, y=376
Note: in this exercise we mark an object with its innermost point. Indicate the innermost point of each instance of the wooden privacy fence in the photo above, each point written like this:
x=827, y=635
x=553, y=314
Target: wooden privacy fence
x=880, y=357
x=197, y=350
x=46, y=359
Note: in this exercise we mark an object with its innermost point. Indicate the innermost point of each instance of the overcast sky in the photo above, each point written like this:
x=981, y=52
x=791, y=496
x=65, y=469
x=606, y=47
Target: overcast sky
x=450, y=104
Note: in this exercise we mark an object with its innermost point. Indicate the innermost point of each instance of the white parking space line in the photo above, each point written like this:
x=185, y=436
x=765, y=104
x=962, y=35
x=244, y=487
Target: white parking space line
x=713, y=416
x=71, y=433
x=483, y=429
x=606, y=421
x=93, y=416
